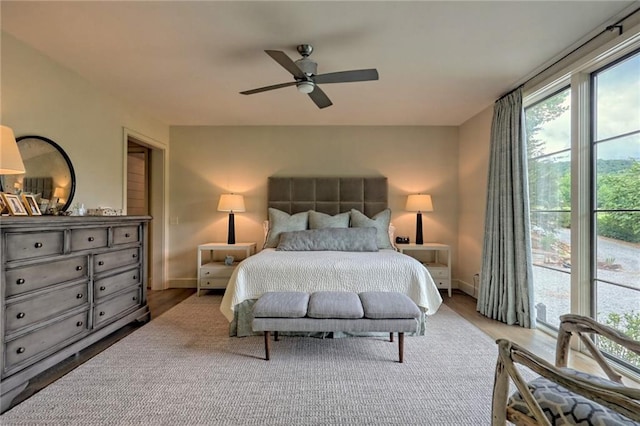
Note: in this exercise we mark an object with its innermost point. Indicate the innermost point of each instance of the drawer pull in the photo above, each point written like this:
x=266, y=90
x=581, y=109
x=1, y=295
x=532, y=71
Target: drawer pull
x=79, y=296
x=102, y=288
x=127, y=235
x=79, y=324
x=102, y=313
x=91, y=239
x=135, y=277
x=134, y=298
x=38, y=245
x=21, y=350
x=20, y=315
x=134, y=255
x=101, y=263
x=79, y=268
x=20, y=281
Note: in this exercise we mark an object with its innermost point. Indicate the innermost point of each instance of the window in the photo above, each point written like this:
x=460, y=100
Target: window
x=615, y=148
x=548, y=133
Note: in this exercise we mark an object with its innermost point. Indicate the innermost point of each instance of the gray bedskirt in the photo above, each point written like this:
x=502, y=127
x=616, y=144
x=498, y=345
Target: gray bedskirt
x=243, y=316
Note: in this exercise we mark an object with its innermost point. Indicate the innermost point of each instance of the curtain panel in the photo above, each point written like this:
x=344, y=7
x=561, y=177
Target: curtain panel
x=506, y=279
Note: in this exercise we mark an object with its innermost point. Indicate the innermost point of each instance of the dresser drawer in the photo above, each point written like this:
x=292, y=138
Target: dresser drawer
x=89, y=238
x=29, y=245
x=44, y=305
x=111, y=260
x=112, y=308
x=114, y=283
x=35, y=343
x=125, y=234
x=21, y=280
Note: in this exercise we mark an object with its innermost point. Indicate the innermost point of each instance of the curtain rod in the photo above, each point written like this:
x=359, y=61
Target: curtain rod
x=612, y=27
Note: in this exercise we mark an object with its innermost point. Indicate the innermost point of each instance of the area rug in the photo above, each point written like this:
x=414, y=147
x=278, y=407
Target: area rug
x=182, y=368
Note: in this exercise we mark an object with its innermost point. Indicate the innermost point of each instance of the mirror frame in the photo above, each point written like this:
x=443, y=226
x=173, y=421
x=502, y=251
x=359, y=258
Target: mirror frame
x=72, y=173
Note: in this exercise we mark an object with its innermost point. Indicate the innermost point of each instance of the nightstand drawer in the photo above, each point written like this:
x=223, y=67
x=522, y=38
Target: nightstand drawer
x=214, y=282
x=442, y=284
x=216, y=270
x=438, y=272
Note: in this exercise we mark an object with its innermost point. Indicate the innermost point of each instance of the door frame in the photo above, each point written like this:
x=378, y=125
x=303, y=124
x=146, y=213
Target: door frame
x=158, y=205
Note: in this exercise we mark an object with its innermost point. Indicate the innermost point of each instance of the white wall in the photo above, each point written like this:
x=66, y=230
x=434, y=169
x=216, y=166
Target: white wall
x=473, y=163
x=208, y=161
x=42, y=97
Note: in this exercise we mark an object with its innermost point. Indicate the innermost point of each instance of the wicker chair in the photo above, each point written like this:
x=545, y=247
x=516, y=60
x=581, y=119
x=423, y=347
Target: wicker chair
x=563, y=395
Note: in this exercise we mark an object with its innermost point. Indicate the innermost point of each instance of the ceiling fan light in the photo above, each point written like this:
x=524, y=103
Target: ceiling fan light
x=305, y=87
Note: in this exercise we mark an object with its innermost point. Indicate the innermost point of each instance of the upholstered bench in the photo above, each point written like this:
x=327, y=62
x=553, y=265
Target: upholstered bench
x=333, y=311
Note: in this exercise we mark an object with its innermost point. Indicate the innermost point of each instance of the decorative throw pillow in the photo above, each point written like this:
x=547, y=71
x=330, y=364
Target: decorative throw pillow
x=380, y=221
x=319, y=220
x=280, y=222
x=329, y=239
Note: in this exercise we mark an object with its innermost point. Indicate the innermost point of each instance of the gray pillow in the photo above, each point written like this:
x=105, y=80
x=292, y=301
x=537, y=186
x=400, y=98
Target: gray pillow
x=280, y=222
x=379, y=221
x=329, y=239
x=319, y=220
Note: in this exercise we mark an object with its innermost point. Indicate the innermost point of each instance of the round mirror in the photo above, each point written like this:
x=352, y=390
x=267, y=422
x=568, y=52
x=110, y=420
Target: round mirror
x=49, y=173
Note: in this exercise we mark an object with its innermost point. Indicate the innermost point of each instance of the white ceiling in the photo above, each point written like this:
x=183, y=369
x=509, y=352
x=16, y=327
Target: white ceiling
x=184, y=62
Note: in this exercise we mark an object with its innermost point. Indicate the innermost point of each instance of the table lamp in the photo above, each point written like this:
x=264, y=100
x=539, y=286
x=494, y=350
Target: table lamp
x=419, y=203
x=231, y=203
x=10, y=159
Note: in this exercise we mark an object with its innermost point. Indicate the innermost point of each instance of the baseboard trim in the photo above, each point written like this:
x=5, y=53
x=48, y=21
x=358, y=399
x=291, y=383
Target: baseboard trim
x=183, y=283
x=467, y=288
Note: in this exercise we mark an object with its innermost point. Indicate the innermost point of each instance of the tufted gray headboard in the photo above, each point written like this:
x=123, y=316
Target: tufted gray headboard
x=328, y=195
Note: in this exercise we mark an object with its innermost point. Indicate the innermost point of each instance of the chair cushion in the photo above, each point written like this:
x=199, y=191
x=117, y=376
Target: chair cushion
x=388, y=304
x=281, y=304
x=564, y=407
x=335, y=304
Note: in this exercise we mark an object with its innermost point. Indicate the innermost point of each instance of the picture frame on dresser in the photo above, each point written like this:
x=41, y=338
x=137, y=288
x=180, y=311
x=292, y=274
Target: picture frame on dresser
x=3, y=206
x=14, y=205
x=31, y=205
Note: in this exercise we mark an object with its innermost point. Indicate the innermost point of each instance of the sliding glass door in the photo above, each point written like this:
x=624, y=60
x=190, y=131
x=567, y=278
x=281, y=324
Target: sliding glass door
x=615, y=259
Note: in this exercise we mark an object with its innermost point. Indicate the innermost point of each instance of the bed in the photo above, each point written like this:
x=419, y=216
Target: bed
x=330, y=234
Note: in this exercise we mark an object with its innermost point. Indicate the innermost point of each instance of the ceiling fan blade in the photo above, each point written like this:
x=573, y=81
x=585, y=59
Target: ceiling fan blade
x=266, y=88
x=286, y=63
x=320, y=98
x=346, y=76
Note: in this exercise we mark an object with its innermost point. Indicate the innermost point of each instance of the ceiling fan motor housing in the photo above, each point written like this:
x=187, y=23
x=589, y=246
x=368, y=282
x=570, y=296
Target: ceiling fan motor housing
x=307, y=66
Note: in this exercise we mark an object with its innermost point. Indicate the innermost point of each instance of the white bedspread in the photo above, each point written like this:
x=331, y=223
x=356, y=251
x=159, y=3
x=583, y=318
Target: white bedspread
x=385, y=270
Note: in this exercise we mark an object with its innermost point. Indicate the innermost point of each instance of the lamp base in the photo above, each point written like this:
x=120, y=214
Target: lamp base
x=231, y=233
x=419, y=229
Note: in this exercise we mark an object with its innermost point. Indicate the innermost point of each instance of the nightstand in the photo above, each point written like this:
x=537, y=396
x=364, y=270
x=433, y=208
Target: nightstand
x=213, y=273
x=436, y=258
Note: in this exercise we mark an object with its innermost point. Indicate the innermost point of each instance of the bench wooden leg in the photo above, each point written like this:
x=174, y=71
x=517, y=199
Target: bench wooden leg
x=401, y=347
x=391, y=337
x=266, y=345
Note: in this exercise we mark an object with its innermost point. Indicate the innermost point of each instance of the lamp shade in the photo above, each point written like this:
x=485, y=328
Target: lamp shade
x=231, y=203
x=419, y=203
x=10, y=159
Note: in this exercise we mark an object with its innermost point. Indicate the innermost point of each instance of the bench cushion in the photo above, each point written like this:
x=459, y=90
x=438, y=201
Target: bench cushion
x=281, y=304
x=387, y=305
x=334, y=304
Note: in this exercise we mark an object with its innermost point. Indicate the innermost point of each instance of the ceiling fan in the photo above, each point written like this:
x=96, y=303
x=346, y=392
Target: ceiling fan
x=304, y=71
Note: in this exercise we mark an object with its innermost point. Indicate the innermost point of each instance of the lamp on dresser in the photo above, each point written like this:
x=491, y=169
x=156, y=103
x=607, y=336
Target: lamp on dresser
x=419, y=203
x=10, y=159
x=231, y=203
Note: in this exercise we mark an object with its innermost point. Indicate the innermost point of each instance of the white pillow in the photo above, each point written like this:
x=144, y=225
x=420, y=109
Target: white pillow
x=280, y=221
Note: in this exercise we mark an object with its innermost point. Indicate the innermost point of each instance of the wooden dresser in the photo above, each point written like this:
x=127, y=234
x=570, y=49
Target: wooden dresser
x=66, y=283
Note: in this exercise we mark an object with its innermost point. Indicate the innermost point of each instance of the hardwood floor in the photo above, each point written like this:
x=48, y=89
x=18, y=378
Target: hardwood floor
x=160, y=301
